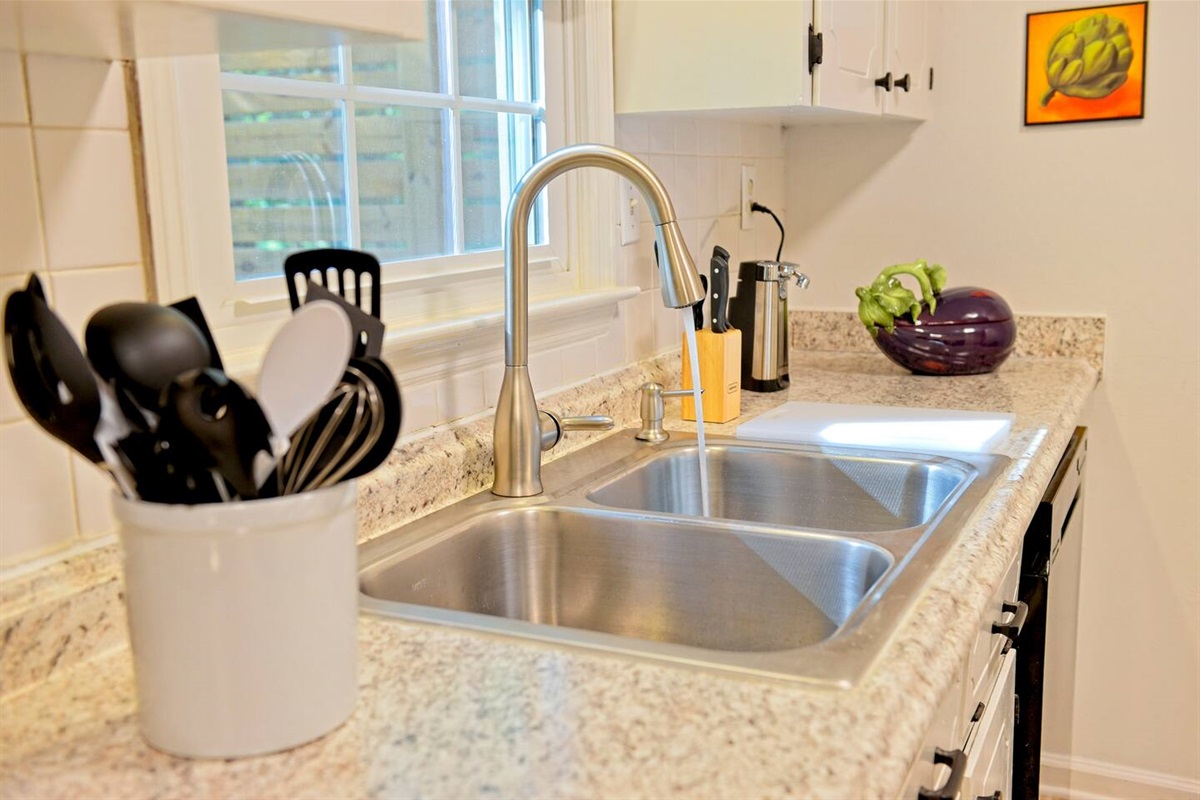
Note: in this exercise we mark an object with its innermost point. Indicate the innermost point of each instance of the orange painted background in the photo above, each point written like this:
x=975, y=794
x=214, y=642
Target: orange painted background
x=1124, y=102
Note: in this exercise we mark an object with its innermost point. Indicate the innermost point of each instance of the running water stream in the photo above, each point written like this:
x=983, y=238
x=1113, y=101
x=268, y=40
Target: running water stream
x=689, y=331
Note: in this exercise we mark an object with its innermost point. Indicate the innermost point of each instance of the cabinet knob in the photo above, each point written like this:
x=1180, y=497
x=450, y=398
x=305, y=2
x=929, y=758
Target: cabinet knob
x=902, y=83
x=885, y=82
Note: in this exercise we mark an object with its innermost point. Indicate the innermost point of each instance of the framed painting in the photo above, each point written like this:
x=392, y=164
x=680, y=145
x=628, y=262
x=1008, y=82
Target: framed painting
x=1085, y=64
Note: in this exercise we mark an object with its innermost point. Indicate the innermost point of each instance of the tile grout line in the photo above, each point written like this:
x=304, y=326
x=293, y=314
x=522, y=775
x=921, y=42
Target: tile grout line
x=39, y=203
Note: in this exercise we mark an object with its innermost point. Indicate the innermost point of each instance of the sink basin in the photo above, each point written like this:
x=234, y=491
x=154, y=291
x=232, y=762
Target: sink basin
x=797, y=488
x=657, y=580
x=806, y=566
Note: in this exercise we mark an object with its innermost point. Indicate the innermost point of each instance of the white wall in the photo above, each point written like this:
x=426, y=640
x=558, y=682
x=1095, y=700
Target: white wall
x=68, y=211
x=1087, y=218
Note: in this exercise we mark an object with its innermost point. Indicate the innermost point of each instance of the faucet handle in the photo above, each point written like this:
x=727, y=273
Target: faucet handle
x=554, y=426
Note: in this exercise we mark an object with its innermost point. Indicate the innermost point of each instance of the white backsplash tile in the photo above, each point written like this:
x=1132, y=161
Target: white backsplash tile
x=683, y=190
x=610, y=348
x=729, y=185
x=420, y=407
x=76, y=92
x=668, y=326
x=731, y=141
x=93, y=499
x=686, y=142
x=79, y=293
x=10, y=407
x=637, y=316
x=20, y=230
x=578, y=361
x=660, y=135
x=12, y=90
x=708, y=194
x=632, y=133
x=35, y=493
x=546, y=371
x=708, y=138
x=86, y=181
x=461, y=395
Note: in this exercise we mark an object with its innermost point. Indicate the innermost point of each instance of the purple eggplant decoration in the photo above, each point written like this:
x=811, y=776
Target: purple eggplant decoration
x=960, y=331
x=972, y=332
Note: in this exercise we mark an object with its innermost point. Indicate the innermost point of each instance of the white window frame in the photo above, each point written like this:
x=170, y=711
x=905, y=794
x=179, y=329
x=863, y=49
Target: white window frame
x=438, y=322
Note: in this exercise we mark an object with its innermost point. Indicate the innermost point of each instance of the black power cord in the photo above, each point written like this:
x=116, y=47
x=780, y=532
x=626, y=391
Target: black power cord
x=755, y=206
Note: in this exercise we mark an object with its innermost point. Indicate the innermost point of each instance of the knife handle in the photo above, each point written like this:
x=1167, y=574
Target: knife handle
x=719, y=270
x=698, y=306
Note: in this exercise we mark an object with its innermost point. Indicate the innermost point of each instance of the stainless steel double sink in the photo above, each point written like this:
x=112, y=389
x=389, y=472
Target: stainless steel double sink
x=804, y=566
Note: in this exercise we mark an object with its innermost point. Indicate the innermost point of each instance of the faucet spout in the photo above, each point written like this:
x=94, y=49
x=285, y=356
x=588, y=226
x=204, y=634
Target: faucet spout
x=518, y=438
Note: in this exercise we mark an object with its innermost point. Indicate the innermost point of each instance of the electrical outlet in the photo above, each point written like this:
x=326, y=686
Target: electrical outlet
x=747, y=196
x=629, y=215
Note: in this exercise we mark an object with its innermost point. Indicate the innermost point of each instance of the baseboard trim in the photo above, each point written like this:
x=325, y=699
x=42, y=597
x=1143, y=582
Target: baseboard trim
x=1088, y=779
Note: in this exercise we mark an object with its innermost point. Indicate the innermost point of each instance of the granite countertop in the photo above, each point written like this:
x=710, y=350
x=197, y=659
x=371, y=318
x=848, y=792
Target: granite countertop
x=451, y=713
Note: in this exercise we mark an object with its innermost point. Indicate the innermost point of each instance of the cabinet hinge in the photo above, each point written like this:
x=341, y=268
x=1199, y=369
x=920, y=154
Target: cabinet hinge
x=816, y=48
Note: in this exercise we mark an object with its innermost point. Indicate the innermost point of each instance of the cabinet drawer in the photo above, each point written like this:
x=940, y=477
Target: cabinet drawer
x=946, y=732
x=983, y=665
x=989, y=749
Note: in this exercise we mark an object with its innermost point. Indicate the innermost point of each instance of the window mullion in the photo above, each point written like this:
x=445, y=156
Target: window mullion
x=350, y=153
x=454, y=200
x=451, y=119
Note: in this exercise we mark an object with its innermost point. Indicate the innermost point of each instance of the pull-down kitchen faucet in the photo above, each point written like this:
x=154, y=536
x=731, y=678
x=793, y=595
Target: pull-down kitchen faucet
x=521, y=431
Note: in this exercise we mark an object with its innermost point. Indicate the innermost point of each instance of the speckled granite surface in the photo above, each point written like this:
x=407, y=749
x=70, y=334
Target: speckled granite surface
x=446, y=713
x=1037, y=336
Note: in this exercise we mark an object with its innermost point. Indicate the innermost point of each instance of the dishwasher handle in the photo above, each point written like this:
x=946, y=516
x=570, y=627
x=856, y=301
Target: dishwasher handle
x=1011, y=630
x=957, y=761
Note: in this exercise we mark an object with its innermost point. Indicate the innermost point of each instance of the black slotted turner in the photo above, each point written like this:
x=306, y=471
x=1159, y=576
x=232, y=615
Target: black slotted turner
x=340, y=271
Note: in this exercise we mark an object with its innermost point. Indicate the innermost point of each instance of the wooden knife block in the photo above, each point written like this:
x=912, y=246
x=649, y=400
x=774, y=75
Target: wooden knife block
x=720, y=375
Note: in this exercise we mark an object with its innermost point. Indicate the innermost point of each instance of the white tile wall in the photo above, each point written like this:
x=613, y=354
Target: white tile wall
x=76, y=92
x=67, y=205
x=700, y=162
x=35, y=493
x=12, y=90
x=20, y=230
x=88, y=200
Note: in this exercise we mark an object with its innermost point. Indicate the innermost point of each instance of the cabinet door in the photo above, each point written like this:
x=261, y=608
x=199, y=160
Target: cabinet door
x=853, y=58
x=908, y=57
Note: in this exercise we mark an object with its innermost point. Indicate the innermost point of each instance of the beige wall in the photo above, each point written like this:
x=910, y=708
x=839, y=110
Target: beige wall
x=68, y=211
x=1091, y=218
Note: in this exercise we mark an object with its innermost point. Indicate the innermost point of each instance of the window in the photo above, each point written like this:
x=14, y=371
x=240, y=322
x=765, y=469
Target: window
x=407, y=150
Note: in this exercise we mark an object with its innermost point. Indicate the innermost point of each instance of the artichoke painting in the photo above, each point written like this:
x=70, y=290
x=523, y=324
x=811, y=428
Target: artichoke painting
x=1085, y=64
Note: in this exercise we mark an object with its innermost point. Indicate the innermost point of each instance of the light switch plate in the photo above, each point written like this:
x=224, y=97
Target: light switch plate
x=628, y=212
x=747, y=196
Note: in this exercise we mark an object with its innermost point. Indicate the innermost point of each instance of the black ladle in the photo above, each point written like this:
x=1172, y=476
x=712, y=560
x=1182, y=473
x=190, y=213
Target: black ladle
x=141, y=347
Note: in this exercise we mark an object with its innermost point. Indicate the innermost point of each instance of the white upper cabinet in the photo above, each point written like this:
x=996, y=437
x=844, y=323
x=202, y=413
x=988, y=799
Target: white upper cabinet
x=705, y=55
x=909, y=58
x=852, y=65
x=754, y=56
x=129, y=29
x=877, y=56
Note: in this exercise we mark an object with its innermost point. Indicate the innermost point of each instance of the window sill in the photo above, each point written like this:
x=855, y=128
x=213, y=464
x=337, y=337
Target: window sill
x=434, y=350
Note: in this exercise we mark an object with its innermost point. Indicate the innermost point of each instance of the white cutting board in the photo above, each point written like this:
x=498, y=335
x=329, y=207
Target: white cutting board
x=888, y=427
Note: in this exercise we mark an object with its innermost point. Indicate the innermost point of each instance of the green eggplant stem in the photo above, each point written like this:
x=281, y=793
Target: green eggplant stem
x=1048, y=96
x=886, y=292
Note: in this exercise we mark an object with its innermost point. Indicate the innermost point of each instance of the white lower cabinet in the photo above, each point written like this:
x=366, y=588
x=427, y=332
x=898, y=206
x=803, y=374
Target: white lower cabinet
x=968, y=752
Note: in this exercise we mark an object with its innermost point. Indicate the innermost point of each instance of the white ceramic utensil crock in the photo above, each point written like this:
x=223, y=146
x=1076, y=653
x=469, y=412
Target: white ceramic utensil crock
x=242, y=620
